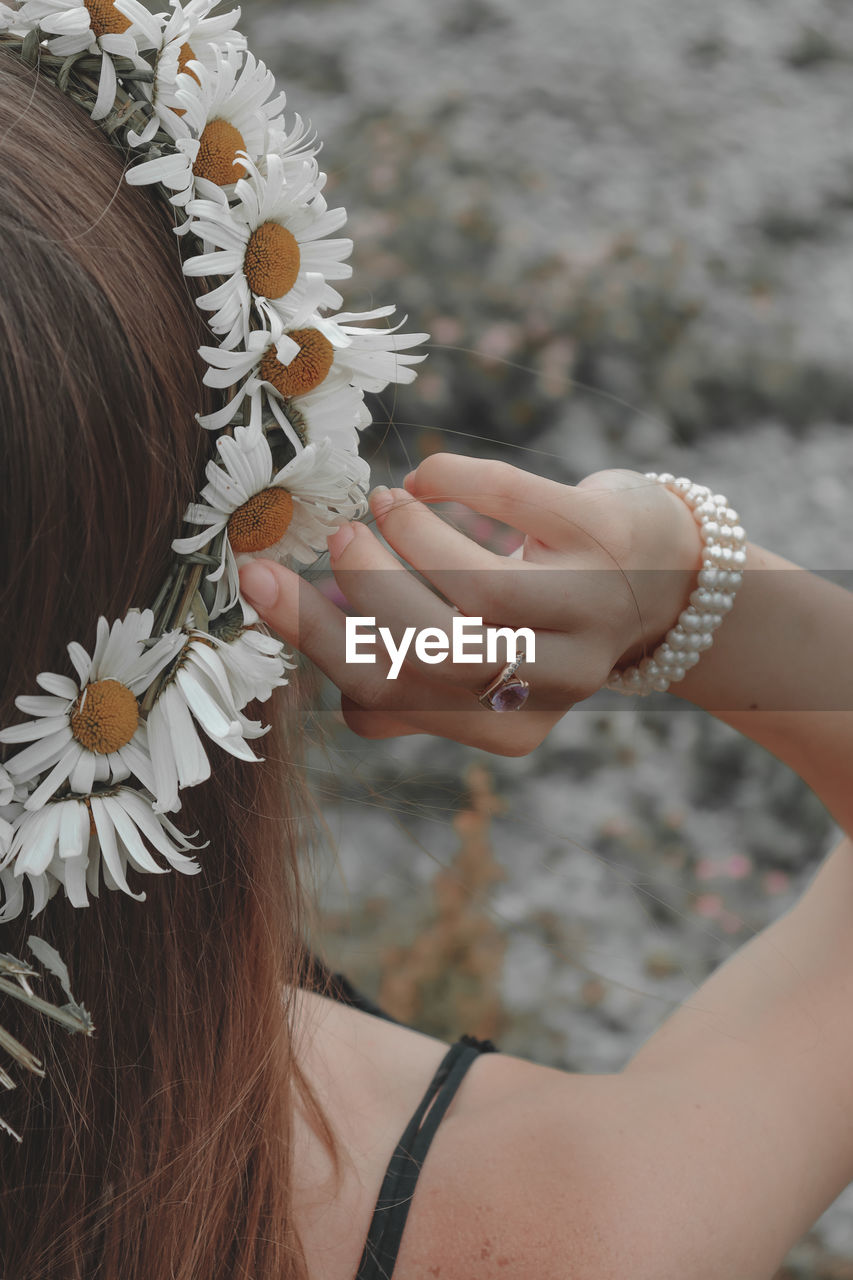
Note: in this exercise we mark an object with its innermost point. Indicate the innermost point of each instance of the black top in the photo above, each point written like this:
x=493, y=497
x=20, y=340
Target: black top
x=389, y=1217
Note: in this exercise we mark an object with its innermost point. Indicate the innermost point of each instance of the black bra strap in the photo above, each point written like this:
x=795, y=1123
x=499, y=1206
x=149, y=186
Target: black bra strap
x=398, y=1188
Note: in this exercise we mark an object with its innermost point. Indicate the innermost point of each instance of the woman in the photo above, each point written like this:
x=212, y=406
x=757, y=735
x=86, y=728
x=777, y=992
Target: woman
x=227, y=1121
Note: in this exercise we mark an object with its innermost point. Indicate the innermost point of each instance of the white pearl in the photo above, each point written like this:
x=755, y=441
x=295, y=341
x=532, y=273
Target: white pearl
x=677, y=673
x=714, y=554
x=713, y=620
x=726, y=532
x=649, y=668
x=666, y=477
x=689, y=660
x=723, y=602
x=706, y=640
x=664, y=655
x=727, y=554
x=676, y=637
x=682, y=484
x=632, y=678
x=738, y=533
x=732, y=516
x=710, y=529
x=739, y=557
x=661, y=683
x=702, y=599
x=690, y=621
x=693, y=646
x=735, y=578
x=706, y=510
x=708, y=577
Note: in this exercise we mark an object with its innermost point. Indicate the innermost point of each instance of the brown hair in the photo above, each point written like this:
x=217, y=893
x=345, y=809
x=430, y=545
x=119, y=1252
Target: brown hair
x=160, y=1148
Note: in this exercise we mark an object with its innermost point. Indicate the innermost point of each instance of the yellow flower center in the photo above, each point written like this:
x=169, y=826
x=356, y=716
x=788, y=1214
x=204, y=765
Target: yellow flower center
x=104, y=716
x=306, y=370
x=105, y=19
x=186, y=54
x=218, y=147
x=261, y=521
x=271, y=264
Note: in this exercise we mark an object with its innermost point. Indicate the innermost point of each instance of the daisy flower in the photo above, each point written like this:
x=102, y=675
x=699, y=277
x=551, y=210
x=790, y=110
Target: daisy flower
x=200, y=690
x=312, y=378
x=95, y=26
x=89, y=730
x=220, y=111
x=283, y=513
x=271, y=246
x=272, y=372
x=186, y=34
x=70, y=841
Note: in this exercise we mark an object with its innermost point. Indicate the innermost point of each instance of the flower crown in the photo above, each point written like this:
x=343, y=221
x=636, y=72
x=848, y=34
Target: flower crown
x=104, y=754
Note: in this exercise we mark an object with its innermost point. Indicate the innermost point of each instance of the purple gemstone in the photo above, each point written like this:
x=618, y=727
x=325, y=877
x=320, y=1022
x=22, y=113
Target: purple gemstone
x=510, y=696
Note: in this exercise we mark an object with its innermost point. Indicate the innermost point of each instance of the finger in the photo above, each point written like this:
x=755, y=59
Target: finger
x=378, y=586
x=508, y=734
x=426, y=540
x=548, y=510
x=479, y=583
x=374, y=724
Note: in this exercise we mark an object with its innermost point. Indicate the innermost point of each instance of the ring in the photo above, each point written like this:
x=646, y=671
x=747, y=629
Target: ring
x=507, y=692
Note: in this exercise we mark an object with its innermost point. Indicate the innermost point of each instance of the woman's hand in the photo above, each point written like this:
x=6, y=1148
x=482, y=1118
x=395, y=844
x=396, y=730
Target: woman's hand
x=604, y=571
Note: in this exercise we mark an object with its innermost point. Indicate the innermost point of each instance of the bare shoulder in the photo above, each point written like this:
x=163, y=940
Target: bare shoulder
x=508, y=1188
x=531, y=1177
x=535, y=1171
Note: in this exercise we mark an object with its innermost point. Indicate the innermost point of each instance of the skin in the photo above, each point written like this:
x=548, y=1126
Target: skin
x=730, y=1131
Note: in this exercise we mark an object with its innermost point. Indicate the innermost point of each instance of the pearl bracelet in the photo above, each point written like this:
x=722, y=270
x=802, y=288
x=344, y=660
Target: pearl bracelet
x=720, y=576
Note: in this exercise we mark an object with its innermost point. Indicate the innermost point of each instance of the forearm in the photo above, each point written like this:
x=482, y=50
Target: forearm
x=766, y=1042
x=780, y=672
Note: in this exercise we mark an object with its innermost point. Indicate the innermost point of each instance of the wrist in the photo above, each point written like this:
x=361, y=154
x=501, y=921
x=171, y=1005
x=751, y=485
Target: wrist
x=670, y=557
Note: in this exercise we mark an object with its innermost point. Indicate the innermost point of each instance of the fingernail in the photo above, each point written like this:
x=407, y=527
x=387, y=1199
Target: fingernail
x=340, y=540
x=381, y=500
x=258, y=584
x=407, y=482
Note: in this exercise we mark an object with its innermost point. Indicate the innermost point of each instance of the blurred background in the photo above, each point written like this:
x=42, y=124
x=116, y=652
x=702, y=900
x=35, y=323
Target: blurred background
x=629, y=230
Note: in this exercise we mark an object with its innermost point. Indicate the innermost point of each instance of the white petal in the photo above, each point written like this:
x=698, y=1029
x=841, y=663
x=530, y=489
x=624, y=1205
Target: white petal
x=82, y=776
x=73, y=828
x=162, y=759
x=109, y=849
x=81, y=660
x=131, y=839
x=211, y=717
x=40, y=756
x=106, y=89
x=38, y=837
x=56, y=777
x=32, y=730
x=61, y=686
